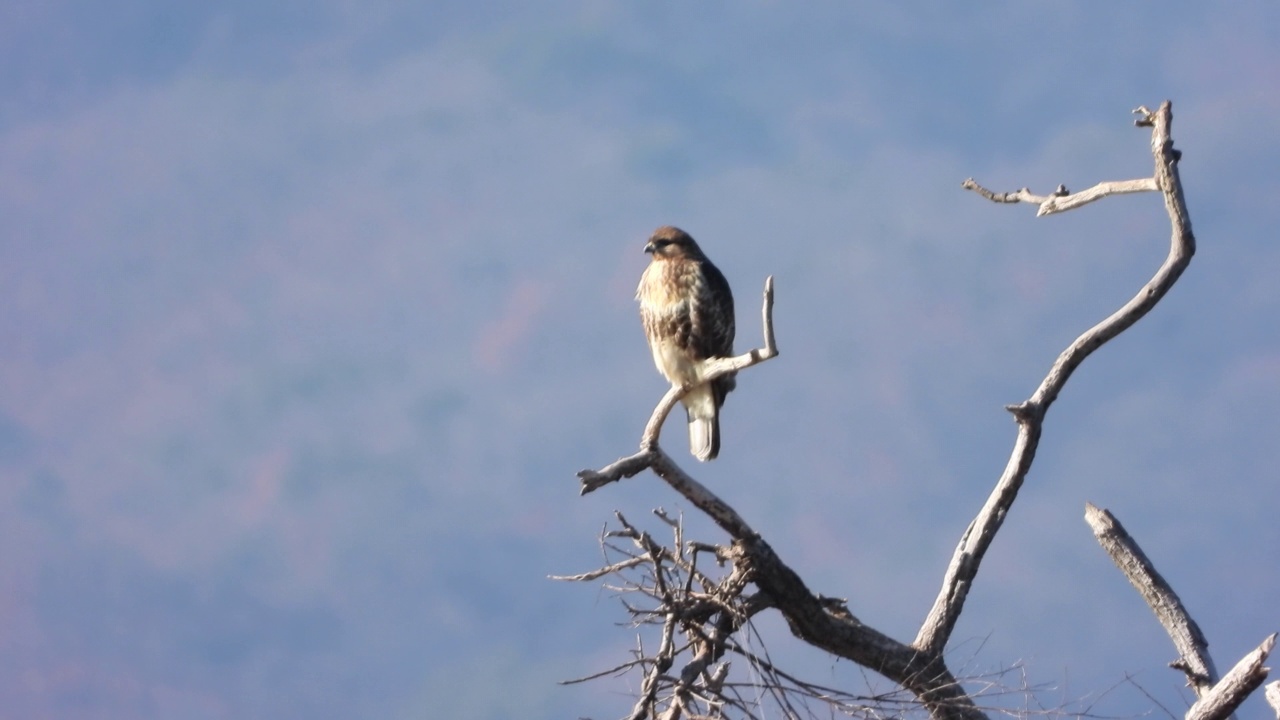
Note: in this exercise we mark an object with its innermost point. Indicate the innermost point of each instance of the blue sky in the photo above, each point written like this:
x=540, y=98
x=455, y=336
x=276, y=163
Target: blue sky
x=313, y=310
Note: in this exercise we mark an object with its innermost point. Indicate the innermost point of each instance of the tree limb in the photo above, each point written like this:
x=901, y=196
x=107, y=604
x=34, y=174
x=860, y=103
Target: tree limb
x=1061, y=200
x=1273, y=696
x=940, y=622
x=1193, y=649
x=1223, y=699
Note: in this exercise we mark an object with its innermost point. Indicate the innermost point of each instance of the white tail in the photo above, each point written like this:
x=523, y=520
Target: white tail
x=704, y=423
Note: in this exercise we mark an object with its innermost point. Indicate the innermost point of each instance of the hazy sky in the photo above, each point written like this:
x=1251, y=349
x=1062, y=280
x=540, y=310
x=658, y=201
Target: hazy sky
x=311, y=311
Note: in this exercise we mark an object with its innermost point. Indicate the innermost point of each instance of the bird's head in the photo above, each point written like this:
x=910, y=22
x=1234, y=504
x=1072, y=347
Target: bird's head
x=670, y=242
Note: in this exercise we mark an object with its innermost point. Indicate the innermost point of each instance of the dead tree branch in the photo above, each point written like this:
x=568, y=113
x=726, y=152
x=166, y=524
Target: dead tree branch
x=1029, y=414
x=1061, y=200
x=1218, y=699
x=1190, y=642
x=1223, y=699
x=1273, y=696
x=683, y=600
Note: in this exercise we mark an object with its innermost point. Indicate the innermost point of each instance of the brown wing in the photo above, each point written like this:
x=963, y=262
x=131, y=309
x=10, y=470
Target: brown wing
x=711, y=314
x=713, y=324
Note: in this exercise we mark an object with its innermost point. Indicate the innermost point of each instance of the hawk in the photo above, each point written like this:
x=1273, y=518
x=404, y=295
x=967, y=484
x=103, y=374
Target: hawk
x=687, y=310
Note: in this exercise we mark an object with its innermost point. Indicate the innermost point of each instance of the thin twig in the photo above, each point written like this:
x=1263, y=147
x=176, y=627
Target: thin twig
x=1061, y=200
x=597, y=574
x=611, y=671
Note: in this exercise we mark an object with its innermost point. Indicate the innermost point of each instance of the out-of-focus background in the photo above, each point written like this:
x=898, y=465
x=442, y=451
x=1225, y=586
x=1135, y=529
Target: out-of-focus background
x=309, y=313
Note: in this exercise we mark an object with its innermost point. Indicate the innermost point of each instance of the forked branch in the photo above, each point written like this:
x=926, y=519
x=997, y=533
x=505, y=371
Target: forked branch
x=1240, y=681
x=1218, y=699
x=1029, y=414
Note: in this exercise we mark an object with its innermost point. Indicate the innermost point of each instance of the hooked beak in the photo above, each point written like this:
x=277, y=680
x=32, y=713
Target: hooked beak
x=650, y=247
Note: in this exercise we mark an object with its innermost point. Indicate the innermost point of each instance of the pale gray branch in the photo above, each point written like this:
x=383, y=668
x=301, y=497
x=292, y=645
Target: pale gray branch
x=940, y=622
x=1273, y=696
x=701, y=497
x=1193, y=649
x=1223, y=699
x=1061, y=200
x=597, y=574
x=626, y=467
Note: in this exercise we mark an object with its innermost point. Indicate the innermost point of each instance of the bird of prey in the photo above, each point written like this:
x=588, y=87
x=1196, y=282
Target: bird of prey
x=687, y=310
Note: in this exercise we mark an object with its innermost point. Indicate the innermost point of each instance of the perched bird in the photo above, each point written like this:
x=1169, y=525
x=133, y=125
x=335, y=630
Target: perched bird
x=687, y=310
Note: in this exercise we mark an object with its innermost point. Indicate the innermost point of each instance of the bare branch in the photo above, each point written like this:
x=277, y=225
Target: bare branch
x=1061, y=200
x=626, y=467
x=819, y=621
x=940, y=622
x=702, y=498
x=611, y=671
x=597, y=574
x=1190, y=642
x=1223, y=699
x=652, y=682
x=843, y=635
x=1273, y=696
x=705, y=610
